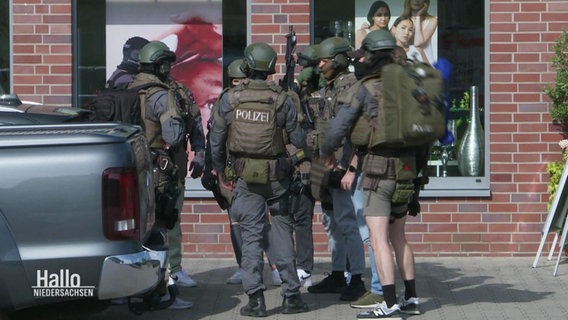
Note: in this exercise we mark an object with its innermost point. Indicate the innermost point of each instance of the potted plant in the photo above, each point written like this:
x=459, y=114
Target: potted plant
x=558, y=94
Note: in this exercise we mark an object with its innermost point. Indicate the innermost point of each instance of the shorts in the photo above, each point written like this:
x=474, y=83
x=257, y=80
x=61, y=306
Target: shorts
x=378, y=203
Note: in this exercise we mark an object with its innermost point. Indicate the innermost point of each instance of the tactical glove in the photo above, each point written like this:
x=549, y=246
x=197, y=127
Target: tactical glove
x=197, y=164
x=414, y=207
x=208, y=180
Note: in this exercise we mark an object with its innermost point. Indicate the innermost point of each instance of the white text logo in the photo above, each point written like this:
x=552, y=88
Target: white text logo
x=62, y=284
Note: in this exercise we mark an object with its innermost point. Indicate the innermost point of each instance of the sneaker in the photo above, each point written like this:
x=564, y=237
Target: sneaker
x=256, y=307
x=353, y=291
x=236, y=278
x=329, y=285
x=294, y=304
x=180, y=304
x=409, y=306
x=183, y=279
x=305, y=278
x=368, y=300
x=347, y=275
x=276, y=280
x=380, y=311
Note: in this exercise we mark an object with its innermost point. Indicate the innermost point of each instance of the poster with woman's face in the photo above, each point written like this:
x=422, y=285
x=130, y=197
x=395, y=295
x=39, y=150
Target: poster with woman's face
x=413, y=23
x=190, y=28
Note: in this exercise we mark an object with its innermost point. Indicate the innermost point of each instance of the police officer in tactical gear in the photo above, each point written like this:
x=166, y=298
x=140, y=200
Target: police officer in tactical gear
x=385, y=214
x=339, y=218
x=302, y=202
x=129, y=67
x=248, y=145
x=170, y=118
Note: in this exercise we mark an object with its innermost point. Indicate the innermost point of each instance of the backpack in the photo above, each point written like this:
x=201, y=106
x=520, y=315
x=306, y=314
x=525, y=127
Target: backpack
x=411, y=111
x=121, y=104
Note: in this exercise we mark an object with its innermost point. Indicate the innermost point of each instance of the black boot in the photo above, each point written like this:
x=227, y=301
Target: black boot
x=256, y=306
x=294, y=304
x=334, y=283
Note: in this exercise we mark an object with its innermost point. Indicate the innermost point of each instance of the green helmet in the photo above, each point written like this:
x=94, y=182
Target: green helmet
x=234, y=69
x=379, y=40
x=156, y=52
x=261, y=57
x=309, y=56
x=330, y=47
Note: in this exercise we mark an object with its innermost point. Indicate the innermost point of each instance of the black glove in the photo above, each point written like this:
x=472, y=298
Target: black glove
x=414, y=207
x=197, y=164
x=208, y=180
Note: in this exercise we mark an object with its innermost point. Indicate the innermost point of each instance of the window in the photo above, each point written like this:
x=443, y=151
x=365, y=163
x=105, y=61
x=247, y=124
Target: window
x=5, y=45
x=460, y=41
x=206, y=36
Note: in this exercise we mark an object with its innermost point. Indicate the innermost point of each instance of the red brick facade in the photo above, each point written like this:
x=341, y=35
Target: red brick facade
x=523, y=139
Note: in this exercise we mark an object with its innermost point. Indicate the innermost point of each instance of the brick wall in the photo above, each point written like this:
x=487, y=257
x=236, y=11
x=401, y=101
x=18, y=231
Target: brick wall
x=523, y=138
x=42, y=50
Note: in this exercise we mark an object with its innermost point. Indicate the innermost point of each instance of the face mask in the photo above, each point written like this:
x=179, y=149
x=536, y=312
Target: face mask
x=360, y=69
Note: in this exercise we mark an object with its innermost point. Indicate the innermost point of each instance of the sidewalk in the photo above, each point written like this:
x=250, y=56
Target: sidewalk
x=449, y=288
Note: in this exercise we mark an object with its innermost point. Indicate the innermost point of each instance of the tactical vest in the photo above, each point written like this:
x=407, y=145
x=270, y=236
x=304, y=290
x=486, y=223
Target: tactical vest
x=329, y=102
x=254, y=131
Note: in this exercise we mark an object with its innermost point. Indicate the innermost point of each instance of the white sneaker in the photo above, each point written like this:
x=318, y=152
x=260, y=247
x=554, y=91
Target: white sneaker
x=380, y=311
x=183, y=279
x=347, y=275
x=276, y=280
x=305, y=278
x=180, y=304
x=409, y=306
x=236, y=278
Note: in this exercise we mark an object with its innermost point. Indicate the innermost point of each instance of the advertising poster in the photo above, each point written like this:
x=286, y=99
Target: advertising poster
x=399, y=16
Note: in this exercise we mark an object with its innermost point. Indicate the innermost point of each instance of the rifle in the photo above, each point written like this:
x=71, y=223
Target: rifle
x=287, y=82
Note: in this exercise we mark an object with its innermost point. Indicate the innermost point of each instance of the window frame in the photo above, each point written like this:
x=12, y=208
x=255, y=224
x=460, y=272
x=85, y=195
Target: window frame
x=233, y=41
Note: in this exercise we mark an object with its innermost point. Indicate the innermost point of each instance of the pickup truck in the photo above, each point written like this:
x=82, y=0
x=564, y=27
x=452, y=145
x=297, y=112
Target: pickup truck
x=77, y=212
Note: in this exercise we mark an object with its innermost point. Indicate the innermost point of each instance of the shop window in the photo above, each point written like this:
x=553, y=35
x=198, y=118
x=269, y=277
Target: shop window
x=460, y=43
x=205, y=35
x=5, y=46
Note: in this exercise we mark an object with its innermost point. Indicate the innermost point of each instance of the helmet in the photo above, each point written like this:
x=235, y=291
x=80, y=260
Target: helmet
x=131, y=49
x=378, y=40
x=234, y=69
x=156, y=52
x=261, y=57
x=330, y=47
x=309, y=56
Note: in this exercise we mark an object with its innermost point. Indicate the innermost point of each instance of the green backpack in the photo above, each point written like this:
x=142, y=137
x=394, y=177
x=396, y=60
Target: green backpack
x=411, y=111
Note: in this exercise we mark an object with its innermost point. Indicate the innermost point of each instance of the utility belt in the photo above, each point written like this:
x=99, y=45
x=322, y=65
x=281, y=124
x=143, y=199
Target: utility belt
x=402, y=169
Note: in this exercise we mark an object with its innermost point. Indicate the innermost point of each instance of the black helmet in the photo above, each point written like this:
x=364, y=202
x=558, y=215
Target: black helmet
x=261, y=57
x=234, y=69
x=156, y=52
x=309, y=56
x=330, y=47
x=378, y=40
x=131, y=50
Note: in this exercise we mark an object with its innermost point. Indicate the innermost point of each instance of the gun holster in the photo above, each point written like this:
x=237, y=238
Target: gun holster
x=166, y=198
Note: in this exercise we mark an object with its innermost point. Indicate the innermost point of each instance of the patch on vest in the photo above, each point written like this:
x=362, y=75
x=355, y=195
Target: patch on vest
x=252, y=115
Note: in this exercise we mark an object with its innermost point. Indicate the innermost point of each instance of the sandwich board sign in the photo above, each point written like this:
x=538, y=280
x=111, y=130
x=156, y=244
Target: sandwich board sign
x=555, y=220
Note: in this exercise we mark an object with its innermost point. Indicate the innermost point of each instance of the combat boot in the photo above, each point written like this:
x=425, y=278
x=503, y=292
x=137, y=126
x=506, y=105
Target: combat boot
x=256, y=306
x=294, y=304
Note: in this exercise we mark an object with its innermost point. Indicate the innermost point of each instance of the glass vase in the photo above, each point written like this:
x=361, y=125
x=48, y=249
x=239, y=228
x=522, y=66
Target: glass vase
x=471, y=149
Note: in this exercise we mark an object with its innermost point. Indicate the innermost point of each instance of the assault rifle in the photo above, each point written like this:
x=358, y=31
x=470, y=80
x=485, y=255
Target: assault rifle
x=287, y=82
